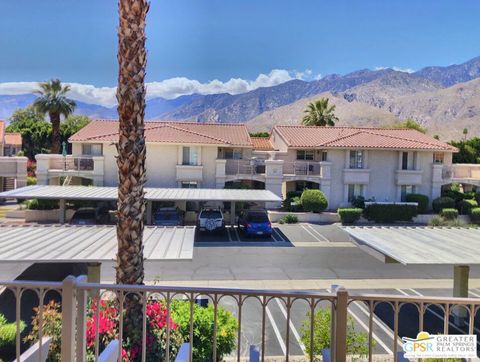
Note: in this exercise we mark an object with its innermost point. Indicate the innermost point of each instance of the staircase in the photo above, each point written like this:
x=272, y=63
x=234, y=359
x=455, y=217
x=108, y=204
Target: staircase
x=67, y=181
x=8, y=183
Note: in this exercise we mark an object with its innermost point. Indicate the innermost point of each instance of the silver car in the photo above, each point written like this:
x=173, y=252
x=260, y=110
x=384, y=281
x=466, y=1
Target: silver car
x=210, y=220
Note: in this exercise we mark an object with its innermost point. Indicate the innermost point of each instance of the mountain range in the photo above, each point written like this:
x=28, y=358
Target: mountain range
x=443, y=99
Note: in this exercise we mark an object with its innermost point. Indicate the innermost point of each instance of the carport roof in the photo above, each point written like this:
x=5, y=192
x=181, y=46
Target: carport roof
x=151, y=194
x=421, y=245
x=55, y=243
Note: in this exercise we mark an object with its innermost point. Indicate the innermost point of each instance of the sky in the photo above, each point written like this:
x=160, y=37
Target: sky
x=211, y=46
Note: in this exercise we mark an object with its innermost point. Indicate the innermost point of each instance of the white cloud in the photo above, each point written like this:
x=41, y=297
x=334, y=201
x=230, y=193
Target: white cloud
x=169, y=88
x=398, y=69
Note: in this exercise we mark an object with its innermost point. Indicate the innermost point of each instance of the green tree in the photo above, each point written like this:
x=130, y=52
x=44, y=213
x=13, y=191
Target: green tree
x=52, y=100
x=357, y=342
x=71, y=125
x=465, y=133
x=410, y=124
x=319, y=113
x=34, y=129
x=260, y=134
x=468, y=150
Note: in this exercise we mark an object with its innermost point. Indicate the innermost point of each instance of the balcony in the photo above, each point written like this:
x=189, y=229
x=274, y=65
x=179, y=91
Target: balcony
x=189, y=173
x=14, y=168
x=54, y=166
x=249, y=312
x=247, y=167
x=409, y=177
x=302, y=168
x=462, y=173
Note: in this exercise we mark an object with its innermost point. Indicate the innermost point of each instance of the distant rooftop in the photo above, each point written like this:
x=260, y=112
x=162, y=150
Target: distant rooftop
x=352, y=137
x=170, y=132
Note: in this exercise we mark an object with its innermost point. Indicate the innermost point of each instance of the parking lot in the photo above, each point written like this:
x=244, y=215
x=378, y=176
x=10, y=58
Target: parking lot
x=302, y=234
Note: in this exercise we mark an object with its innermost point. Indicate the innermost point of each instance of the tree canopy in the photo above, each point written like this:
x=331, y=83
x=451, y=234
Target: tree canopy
x=260, y=134
x=52, y=100
x=36, y=131
x=468, y=150
x=319, y=113
x=411, y=124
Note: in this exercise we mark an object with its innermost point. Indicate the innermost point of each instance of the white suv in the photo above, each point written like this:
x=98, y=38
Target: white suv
x=210, y=220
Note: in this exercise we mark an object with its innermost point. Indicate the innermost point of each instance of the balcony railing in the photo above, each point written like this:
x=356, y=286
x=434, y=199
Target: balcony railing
x=463, y=171
x=302, y=168
x=244, y=167
x=75, y=294
x=70, y=163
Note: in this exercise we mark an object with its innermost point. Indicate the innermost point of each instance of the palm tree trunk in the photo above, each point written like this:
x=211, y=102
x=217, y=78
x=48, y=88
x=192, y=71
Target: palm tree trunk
x=55, y=121
x=131, y=154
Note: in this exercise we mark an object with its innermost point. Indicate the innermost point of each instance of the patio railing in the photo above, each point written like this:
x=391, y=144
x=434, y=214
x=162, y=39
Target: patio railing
x=302, y=168
x=74, y=293
x=244, y=167
x=70, y=163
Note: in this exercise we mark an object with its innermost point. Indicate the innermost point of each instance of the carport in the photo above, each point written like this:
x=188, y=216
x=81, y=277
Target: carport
x=423, y=246
x=89, y=244
x=63, y=193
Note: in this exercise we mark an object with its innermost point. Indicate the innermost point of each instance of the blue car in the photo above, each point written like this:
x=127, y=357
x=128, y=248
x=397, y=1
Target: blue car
x=255, y=222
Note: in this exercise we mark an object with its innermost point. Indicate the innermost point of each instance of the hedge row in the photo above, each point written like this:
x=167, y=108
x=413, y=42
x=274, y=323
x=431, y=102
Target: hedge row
x=349, y=215
x=389, y=213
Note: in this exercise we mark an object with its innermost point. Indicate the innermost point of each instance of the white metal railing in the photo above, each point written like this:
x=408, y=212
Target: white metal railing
x=75, y=294
x=71, y=163
x=244, y=167
x=302, y=168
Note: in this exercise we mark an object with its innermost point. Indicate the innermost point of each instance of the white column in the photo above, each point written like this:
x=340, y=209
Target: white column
x=232, y=213
x=61, y=211
x=460, y=290
x=149, y=212
x=274, y=180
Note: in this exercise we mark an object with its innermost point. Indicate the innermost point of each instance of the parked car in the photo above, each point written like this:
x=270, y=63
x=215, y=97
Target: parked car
x=168, y=216
x=255, y=222
x=210, y=220
x=90, y=216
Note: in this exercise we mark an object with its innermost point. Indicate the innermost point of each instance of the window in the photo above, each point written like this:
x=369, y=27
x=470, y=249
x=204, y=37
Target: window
x=438, y=157
x=233, y=154
x=409, y=160
x=405, y=190
x=306, y=185
x=189, y=185
x=92, y=149
x=305, y=155
x=190, y=156
x=354, y=190
x=356, y=159
x=324, y=156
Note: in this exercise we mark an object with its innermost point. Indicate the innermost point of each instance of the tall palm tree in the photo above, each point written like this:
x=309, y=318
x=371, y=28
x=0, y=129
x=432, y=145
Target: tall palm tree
x=132, y=58
x=319, y=113
x=52, y=100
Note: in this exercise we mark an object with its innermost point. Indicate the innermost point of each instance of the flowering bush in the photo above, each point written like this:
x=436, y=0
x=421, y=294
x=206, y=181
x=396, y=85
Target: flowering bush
x=108, y=330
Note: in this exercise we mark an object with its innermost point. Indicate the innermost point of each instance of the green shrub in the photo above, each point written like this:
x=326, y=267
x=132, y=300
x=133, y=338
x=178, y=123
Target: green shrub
x=358, y=202
x=31, y=180
x=475, y=215
x=422, y=201
x=357, y=342
x=449, y=214
x=8, y=331
x=292, y=202
x=349, y=215
x=289, y=219
x=314, y=200
x=437, y=221
x=203, y=320
x=465, y=206
x=39, y=204
x=387, y=213
x=443, y=202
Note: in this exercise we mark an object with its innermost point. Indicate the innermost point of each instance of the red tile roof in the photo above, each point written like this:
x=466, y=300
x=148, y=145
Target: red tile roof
x=13, y=138
x=171, y=132
x=262, y=143
x=352, y=137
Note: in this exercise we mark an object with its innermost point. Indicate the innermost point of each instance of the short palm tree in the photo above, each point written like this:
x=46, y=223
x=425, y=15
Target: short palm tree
x=52, y=100
x=132, y=58
x=319, y=113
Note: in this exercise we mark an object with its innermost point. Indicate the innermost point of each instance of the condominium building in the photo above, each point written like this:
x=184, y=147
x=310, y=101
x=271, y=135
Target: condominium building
x=343, y=162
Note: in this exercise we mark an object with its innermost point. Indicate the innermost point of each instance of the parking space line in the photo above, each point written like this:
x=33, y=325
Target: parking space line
x=309, y=232
x=474, y=294
x=318, y=233
x=276, y=330
x=278, y=234
x=292, y=327
x=228, y=233
x=438, y=315
x=237, y=233
x=387, y=331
